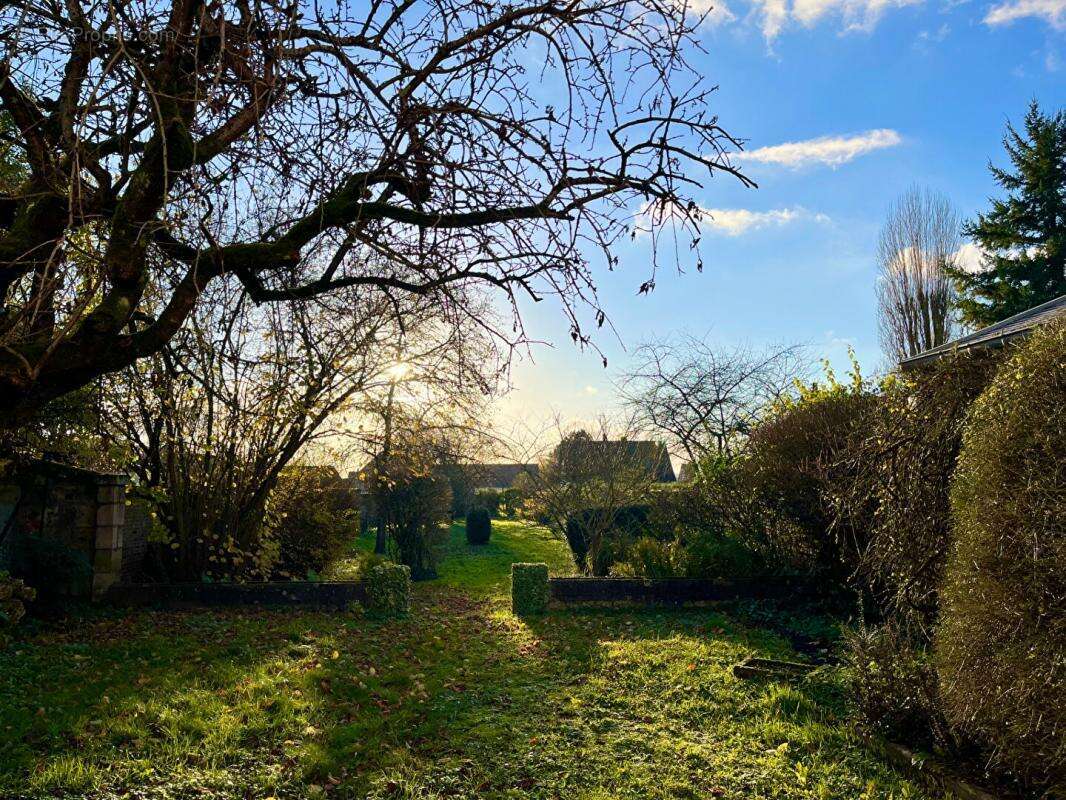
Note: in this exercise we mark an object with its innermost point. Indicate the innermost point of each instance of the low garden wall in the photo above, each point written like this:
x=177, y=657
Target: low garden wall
x=675, y=590
x=532, y=589
x=386, y=587
x=334, y=594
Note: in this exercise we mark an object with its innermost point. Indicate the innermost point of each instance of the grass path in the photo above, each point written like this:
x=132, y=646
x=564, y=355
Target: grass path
x=458, y=699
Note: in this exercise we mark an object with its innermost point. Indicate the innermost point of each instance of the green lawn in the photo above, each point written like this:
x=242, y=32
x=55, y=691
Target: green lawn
x=458, y=699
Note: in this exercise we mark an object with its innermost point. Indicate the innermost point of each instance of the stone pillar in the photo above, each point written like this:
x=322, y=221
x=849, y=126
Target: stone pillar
x=110, y=519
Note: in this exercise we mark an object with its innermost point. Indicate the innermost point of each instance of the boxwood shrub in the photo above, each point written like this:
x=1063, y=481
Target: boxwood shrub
x=478, y=525
x=529, y=588
x=388, y=588
x=1001, y=645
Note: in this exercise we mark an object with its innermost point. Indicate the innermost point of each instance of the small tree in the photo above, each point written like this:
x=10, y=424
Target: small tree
x=212, y=421
x=703, y=398
x=915, y=297
x=585, y=491
x=413, y=500
x=1024, y=234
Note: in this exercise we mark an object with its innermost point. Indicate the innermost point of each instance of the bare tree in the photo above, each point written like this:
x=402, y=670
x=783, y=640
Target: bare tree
x=915, y=296
x=393, y=147
x=587, y=483
x=703, y=397
x=212, y=420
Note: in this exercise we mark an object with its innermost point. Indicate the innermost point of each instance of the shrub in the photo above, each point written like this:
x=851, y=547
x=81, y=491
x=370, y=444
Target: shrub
x=897, y=475
x=488, y=499
x=14, y=594
x=1001, y=643
x=511, y=502
x=530, y=591
x=790, y=464
x=413, y=501
x=310, y=524
x=895, y=687
x=478, y=526
x=652, y=558
x=388, y=588
x=598, y=537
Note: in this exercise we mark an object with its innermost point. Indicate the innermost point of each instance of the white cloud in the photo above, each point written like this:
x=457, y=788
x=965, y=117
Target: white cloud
x=716, y=11
x=737, y=221
x=590, y=390
x=773, y=15
x=969, y=257
x=830, y=150
x=1051, y=11
x=857, y=15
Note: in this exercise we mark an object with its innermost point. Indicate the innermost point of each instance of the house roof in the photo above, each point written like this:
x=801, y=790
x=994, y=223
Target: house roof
x=650, y=455
x=498, y=476
x=996, y=334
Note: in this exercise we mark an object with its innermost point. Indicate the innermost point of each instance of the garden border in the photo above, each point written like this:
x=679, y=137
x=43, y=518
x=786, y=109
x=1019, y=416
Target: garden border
x=676, y=591
x=337, y=594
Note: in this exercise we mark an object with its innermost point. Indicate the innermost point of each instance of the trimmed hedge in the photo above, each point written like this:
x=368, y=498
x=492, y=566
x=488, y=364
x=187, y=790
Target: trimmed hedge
x=1001, y=645
x=478, y=526
x=388, y=588
x=529, y=589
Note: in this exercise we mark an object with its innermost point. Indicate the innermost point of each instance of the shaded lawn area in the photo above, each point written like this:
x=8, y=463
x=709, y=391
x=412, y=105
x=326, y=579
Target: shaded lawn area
x=458, y=699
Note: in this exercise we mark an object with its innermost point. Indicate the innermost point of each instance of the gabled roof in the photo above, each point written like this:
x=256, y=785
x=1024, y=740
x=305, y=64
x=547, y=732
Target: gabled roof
x=996, y=334
x=648, y=455
x=498, y=476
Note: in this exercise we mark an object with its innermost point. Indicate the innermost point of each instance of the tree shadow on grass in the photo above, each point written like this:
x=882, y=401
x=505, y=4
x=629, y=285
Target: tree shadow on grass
x=458, y=698
x=627, y=702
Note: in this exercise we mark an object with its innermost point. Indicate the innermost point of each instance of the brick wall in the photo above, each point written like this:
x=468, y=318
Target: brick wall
x=80, y=510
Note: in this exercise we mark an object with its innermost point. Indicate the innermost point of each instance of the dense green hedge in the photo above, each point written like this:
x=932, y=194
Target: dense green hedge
x=1001, y=645
x=388, y=588
x=529, y=588
x=478, y=526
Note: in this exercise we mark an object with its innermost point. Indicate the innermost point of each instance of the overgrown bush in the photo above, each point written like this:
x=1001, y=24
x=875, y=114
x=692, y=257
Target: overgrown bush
x=415, y=507
x=388, y=588
x=598, y=537
x=789, y=466
x=478, y=526
x=14, y=594
x=511, y=501
x=894, y=684
x=530, y=590
x=1001, y=643
x=895, y=479
x=687, y=535
x=310, y=522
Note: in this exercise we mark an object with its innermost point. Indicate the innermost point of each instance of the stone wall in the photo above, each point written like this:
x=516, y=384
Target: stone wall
x=79, y=510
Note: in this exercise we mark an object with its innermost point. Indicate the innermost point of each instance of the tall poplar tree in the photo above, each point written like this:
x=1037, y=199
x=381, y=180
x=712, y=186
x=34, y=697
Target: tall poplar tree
x=1024, y=234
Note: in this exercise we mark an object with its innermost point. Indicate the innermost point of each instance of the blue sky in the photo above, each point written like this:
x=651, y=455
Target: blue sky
x=893, y=93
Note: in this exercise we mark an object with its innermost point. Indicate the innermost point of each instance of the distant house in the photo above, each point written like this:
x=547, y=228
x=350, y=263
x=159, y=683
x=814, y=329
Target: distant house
x=497, y=476
x=651, y=456
x=994, y=336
